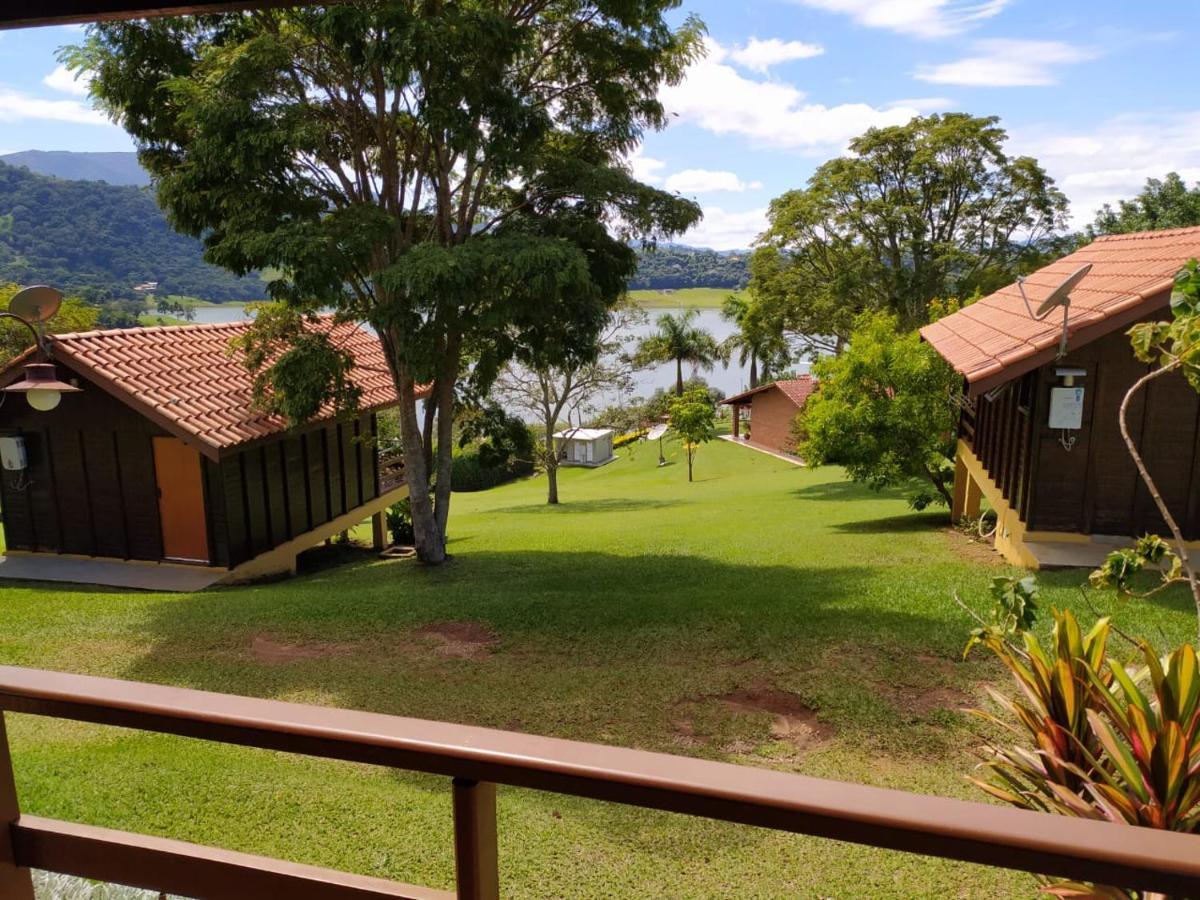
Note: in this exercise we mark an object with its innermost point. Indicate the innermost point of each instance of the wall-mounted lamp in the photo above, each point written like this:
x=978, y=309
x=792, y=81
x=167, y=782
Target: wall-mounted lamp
x=41, y=386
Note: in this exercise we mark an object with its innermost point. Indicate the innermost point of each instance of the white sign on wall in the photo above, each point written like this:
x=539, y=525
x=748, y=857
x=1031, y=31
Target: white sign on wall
x=1066, y=407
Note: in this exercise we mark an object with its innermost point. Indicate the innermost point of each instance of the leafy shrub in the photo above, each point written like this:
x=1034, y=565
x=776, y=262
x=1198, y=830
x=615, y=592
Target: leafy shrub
x=1100, y=742
x=399, y=523
x=628, y=437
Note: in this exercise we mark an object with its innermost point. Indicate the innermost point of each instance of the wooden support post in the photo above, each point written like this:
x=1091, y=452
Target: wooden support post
x=15, y=883
x=379, y=530
x=475, y=856
x=737, y=421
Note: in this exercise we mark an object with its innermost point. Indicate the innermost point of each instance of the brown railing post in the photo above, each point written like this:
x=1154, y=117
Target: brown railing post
x=15, y=882
x=476, y=861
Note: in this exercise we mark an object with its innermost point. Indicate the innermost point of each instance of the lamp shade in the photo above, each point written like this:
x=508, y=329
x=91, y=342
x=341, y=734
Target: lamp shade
x=41, y=386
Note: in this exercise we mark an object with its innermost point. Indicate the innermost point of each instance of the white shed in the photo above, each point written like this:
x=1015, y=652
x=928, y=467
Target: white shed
x=584, y=446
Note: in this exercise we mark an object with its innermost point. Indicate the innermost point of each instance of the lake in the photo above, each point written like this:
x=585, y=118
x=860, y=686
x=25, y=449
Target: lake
x=731, y=379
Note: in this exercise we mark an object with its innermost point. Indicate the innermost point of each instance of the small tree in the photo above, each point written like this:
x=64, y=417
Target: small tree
x=694, y=419
x=678, y=340
x=885, y=410
x=567, y=389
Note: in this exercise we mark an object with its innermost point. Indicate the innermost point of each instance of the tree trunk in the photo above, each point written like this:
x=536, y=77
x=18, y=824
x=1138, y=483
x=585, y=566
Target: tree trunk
x=678, y=377
x=753, y=370
x=430, y=544
x=427, y=431
x=445, y=438
x=551, y=466
x=690, y=453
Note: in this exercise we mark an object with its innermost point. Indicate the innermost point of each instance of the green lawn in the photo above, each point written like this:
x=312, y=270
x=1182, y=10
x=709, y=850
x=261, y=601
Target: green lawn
x=645, y=611
x=697, y=298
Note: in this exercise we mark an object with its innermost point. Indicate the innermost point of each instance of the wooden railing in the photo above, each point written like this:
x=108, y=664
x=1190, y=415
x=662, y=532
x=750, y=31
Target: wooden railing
x=477, y=759
x=391, y=470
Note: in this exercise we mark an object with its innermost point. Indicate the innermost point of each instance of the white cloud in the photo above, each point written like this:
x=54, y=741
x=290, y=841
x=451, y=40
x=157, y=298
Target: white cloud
x=920, y=18
x=1006, y=63
x=63, y=79
x=925, y=104
x=761, y=55
x=18, y=107
x=1112, y=161
x=717, y=98
x=645, y=168
x=707, y=181
x=723, y=230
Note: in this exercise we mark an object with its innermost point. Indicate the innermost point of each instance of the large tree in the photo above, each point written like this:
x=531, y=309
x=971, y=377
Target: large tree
x=1165, y=203
x=567, y=387
x=450, y=173
x=934, y=208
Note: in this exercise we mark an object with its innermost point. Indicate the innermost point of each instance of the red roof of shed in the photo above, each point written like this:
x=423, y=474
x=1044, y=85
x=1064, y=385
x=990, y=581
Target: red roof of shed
x=994, y=340
x=186, y=378
x=795, y=389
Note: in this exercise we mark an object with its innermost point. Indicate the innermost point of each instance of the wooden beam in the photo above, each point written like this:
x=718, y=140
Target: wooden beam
x=476, y=858
x=26, y=13
x=15, y=881
x=192, y=870
x=1103, y=852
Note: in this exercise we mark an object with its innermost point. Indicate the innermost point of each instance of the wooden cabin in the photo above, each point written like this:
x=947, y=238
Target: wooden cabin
x=763, y=415
x=1039, y=436
x=161, y=457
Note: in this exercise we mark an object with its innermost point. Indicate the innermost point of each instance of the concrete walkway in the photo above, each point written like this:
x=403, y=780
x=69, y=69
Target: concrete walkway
x=794, y=460
x=109, y=573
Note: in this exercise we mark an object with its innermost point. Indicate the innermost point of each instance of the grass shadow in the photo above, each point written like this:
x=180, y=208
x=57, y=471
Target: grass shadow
x=582, y=630
x=911, y=522
x=842, y=491
x=600, y=505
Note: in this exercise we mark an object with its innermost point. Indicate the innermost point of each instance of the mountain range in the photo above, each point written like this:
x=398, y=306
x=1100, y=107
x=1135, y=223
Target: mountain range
x=50, y=200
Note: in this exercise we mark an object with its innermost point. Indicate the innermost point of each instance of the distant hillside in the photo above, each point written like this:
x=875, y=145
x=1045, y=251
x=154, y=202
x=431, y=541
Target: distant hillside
x=674, y=266
x=84, y=236
x=115, y=168
x=131, y=242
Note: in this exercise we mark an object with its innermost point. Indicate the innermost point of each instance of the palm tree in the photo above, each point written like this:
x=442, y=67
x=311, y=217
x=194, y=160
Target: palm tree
x=679, y=340
x=751, y=342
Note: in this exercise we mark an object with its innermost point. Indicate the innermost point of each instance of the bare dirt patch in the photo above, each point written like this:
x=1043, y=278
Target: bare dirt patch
x=794, y=721
x=939, y=698
x=274, y=652
x=970, y=547
x=459, y=640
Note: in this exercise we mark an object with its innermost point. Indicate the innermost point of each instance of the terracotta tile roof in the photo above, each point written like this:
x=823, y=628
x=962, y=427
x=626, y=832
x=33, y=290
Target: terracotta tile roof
x=994, y=340
x=185, y=377
x=795, y=389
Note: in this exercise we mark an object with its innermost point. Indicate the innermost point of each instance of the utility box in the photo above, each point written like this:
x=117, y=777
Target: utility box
x=1066, y=407
x=12, y=454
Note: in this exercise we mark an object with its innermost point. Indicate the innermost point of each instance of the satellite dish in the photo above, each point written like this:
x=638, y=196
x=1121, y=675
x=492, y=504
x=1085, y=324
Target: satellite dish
x=1060, y=296
x=1062, y=293
x=35, y=304
x=656, y=432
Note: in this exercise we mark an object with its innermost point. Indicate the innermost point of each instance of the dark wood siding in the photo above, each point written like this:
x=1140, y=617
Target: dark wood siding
x=1093, y=487
x=278, y=490
x=999, y=430
x=90, y=486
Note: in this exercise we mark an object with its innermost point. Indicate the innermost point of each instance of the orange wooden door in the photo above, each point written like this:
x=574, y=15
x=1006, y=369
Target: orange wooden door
x=180, y=500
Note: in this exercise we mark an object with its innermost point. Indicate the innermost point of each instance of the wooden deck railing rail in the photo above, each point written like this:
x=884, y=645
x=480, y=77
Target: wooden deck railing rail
x=477, y=759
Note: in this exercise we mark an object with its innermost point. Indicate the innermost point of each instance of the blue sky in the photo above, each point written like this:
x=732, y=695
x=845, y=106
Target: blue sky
x=1100, y=91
